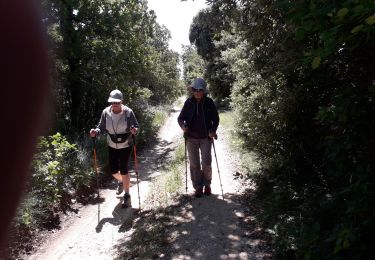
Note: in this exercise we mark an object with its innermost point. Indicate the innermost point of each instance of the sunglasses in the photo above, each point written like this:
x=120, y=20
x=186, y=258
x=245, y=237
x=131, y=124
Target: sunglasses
x=197, y=90
x=115, y=103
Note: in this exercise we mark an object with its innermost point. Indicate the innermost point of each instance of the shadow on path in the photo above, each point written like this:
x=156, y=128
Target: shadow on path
x=122, y=217
x=204, y=228
x=154, y=158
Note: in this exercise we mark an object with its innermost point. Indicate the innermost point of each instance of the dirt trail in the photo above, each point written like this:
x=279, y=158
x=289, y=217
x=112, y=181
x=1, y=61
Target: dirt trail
x=84, y=237
x=202, y=228
x=213, y=228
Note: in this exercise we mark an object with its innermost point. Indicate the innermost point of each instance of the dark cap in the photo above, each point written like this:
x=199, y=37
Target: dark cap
x=115, y=96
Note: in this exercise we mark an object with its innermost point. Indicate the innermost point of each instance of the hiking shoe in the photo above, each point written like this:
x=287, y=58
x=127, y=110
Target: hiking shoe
x=198, y=192
x=120, y=188
x=207, y=190
x=127, y=201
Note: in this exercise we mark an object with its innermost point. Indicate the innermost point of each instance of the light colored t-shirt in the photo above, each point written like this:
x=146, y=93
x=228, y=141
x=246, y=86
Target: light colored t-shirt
x=116, y=124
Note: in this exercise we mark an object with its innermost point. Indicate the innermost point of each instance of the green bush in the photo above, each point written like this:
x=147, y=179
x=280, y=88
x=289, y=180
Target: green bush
x=304, y=94
x=59, y=170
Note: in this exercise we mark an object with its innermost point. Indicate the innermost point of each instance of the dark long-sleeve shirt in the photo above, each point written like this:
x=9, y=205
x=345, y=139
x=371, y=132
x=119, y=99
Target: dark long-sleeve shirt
x=200, y=117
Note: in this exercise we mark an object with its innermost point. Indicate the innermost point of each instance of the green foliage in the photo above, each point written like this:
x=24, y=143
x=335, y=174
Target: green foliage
x=345, y=24
x=304, y=94
x=61, y=174
x=205, y=34
x=58, y=171
x=161, y=74
x=160, y=115
x=102, y=45
x=193, y=64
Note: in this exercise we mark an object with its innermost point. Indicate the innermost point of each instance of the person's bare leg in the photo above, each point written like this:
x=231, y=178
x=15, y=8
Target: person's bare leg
x=126, y=186
x=117, y=176
x=126, y=182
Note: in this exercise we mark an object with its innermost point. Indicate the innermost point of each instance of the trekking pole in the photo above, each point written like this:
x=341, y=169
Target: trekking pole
x=185, y=164
x=185, y=137
x=97, y=175
x=213, y=144
x=136, y=170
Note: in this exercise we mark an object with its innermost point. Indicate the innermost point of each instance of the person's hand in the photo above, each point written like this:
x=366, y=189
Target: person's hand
x=184, y=128
x=92, y=133
x=133, y=130
x=212, y=135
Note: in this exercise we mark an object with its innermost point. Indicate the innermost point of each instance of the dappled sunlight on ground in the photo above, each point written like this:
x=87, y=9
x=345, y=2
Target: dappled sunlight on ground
x=204, y=228
x=209, y=227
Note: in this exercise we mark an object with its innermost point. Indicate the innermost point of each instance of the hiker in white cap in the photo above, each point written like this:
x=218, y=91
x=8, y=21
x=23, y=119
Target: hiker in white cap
x=199, y=120
x=120, y=123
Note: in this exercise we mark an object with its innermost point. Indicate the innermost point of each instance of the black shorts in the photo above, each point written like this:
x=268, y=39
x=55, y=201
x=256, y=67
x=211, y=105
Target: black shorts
x=119, y=160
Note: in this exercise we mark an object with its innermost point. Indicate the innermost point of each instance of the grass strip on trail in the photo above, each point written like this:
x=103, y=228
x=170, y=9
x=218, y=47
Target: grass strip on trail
x=148, y=239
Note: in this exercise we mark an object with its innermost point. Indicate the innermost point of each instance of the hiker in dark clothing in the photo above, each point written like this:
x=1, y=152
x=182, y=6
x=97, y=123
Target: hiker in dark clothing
x=199, y=120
